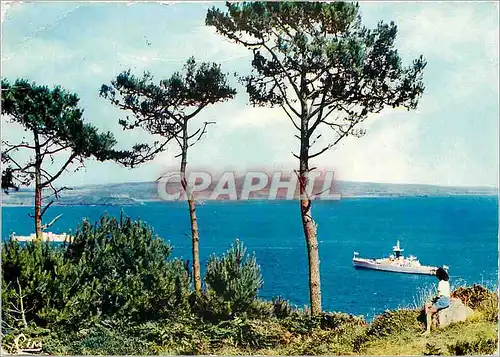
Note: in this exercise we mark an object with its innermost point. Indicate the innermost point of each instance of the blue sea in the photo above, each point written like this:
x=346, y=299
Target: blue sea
x=458, y=231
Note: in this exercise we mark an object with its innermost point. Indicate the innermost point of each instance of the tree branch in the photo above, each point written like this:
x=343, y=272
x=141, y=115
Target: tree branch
x=63, y=168
x=46, y=208
x=204, y=131
x=284, y=71
x=291, y=119
x=321, y=151
x=45, y=226
x=46, y=152
x=189, y=116
x=284, y=96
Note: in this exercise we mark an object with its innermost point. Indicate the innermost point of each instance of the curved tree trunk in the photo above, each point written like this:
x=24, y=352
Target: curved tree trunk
x=192, y=213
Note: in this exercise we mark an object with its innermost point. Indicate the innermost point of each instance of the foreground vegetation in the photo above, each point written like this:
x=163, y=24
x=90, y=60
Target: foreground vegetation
x=115, y=290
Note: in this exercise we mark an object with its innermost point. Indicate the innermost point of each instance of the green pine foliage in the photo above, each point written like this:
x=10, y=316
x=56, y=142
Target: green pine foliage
x=233, y=279
x=114, y=269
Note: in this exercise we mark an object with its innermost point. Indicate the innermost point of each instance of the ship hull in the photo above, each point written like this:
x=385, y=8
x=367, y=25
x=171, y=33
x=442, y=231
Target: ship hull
x=360, y=263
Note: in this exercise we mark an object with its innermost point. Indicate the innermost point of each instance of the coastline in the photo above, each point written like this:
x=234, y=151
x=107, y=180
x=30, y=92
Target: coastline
x=343, y=197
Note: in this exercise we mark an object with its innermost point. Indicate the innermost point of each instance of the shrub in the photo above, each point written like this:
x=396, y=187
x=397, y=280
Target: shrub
x=300, y=322
x=390, y=323
x=245, y=333
x=233, y=280
x=338, y=341
x=432, y=350
x=489, y=308
x=478, y=346
x=340, y=321
x=113, y=269
x=36, y=279
x=209, y=307
x=394, y=323
x=281, y=308
x=127, y=265
x=260, y=309
x=57, y=343
x=472, y=296
x=102, y=341
x=183, y=335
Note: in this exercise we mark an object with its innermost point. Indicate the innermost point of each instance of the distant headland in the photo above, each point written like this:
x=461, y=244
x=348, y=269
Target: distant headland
x=137, y=193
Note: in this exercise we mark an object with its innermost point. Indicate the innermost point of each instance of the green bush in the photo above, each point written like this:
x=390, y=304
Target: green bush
x=36, y=279
x=478, y=346
x=340, y=321
x=130, y=264
x=281, y=308
x=489, y=308
x=103, y=341
x=113, y=269
x=232, y=282
x=301, y=322
x=183, y=335
x=432, y=350
x=245, y=333
x=330, y=334
x=394, y=323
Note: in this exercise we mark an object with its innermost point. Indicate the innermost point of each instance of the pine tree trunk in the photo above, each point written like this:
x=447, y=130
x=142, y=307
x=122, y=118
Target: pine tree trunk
x=312, y=247
x=38, y=207
x=196, y=250
x=38, y=190
x=192, y=214
x=307, y=221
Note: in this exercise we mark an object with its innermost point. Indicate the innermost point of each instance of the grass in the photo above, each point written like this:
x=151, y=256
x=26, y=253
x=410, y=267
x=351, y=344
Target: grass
x=438, y=342
x=423, y=295
x=476, y=336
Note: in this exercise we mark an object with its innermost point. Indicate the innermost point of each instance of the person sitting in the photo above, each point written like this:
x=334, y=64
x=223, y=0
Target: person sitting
x=441, y=301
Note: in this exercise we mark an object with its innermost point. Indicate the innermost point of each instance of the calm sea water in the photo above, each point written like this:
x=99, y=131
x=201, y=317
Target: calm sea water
x=461, y=232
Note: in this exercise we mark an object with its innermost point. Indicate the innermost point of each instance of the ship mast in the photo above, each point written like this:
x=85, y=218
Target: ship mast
x=397, y=249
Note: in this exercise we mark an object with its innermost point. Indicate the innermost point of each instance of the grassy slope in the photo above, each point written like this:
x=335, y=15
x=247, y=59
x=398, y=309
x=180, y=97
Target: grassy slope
x=397, y=334
x=476, y=333
x=408, y=344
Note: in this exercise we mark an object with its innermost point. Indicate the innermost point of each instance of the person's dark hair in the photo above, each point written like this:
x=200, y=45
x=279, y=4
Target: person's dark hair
x=442, y=274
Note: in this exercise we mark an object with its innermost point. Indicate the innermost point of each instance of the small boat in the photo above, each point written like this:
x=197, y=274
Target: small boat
x=396, y=263
x=46, y=236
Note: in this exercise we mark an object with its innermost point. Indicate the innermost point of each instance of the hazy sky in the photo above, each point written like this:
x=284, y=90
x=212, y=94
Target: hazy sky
x=452, y=139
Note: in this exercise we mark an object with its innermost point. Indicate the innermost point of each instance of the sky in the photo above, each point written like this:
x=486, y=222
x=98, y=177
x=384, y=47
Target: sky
x=451, y=139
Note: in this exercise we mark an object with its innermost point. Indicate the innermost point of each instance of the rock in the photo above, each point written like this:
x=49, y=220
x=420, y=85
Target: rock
x=456, y=312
